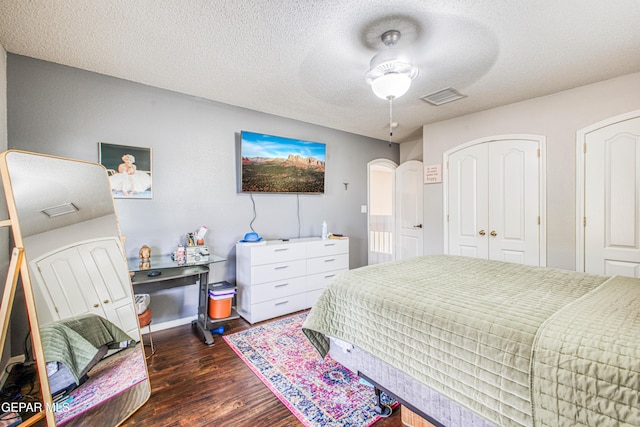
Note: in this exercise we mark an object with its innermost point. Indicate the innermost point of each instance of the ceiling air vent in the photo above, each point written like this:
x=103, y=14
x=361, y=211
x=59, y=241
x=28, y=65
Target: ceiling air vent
x=54, y=211
x=443, y=96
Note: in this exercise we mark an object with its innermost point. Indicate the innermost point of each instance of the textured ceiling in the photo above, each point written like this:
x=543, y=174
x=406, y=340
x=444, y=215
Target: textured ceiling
x=306, y=59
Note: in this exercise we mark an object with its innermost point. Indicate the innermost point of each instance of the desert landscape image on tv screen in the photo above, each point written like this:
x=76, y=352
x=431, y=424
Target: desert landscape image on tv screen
x=275, y=164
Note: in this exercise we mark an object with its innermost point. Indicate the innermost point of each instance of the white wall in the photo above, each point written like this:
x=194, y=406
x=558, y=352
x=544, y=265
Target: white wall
x=411, y=150
x=557, y=117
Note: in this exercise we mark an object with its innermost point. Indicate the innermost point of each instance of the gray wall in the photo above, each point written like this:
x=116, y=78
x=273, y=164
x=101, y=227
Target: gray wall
x=64, y=111
x=4, y=232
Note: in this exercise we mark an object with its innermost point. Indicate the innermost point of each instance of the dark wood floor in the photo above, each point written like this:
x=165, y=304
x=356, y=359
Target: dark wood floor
x=193, y=384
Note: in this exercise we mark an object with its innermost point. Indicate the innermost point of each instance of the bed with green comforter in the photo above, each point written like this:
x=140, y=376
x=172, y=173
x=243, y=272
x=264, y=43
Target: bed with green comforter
x=517, y=345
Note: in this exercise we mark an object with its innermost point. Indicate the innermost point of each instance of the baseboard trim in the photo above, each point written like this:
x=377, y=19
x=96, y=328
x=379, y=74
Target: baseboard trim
x=169, y=324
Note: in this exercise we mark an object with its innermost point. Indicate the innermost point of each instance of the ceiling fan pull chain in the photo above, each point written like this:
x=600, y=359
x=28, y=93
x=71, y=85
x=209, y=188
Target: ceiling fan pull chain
x=390, y=119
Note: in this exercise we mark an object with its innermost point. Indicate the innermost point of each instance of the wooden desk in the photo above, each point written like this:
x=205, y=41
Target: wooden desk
x=173, y=275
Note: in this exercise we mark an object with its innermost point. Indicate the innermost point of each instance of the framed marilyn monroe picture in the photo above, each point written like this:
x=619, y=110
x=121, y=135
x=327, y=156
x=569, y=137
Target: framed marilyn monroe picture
x=129, y=170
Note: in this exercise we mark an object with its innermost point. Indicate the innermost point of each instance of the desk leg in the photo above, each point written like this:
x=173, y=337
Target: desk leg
x=201, y=324
x=206, y=334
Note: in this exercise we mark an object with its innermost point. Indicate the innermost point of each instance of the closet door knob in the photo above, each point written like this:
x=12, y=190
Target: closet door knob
x=493, y=233
x=96, y=305
x=106, y=301
x=482, y=232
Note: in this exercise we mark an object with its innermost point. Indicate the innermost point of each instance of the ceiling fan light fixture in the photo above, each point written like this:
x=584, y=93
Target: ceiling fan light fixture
x=391, y=85
x=390, y=74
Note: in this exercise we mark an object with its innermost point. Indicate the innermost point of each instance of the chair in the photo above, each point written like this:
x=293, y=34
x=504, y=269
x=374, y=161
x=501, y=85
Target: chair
x=144, y=319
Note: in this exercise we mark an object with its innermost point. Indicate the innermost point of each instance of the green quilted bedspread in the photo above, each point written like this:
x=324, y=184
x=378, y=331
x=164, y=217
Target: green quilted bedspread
x=467, y=328
x=75, y=341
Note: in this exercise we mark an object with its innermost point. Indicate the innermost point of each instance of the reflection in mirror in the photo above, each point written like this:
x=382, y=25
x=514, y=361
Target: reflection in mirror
x=63, y=215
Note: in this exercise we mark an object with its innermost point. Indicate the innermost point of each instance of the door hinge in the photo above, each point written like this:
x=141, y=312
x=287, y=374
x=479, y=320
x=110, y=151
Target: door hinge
x=538, y=220
x=584, y=148
x=584, y=221
x=538, y=153
x=447, y=217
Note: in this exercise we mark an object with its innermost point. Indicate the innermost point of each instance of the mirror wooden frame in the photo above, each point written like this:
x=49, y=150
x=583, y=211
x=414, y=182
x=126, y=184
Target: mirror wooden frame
x=19, y=269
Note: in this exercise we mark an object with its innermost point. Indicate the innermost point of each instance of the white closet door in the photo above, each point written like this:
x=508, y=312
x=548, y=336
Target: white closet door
x=109, y=274
x=87, y=279
x=612, y=199
x=66, y=286
x=494, y=200
x=514, y=201
x=468, y=201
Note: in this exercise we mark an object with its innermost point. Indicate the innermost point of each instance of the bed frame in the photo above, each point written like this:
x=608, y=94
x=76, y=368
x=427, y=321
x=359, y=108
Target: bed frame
x=424, y=401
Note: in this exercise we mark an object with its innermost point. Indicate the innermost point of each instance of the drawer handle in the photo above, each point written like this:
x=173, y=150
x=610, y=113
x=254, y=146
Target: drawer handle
x=329, y=276
x=282, y=267
x=282, y=302
x=281, y=285
x=329, y=244
x=281, y=249
x=329, y=260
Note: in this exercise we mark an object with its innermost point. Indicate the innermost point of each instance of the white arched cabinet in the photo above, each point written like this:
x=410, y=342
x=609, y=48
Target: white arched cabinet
x=494, y=199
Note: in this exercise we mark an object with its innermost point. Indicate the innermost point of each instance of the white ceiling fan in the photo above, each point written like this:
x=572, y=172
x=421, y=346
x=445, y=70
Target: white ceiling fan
x=391, y=72
x=434, y=52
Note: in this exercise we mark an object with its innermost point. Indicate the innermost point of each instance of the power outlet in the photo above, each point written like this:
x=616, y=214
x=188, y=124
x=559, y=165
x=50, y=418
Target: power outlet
x=363, y=208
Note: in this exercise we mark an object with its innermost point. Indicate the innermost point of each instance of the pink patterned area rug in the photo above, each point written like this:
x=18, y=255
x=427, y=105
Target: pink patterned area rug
x=110, y=377
x=318, y=392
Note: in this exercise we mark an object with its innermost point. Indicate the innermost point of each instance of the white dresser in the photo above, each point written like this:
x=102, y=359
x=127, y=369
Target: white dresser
x=281, y=277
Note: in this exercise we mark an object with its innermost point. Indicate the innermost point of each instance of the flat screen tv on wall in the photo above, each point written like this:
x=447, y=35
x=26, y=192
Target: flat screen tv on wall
x=273, y=164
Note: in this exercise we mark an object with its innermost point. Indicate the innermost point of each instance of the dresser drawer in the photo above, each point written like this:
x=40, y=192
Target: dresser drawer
x=327, y=247
x=327, y=263
x=279, y=289
x=273, y=272
x=278, y=307
x=269, y=254
x=321, y=280
x=279, y=277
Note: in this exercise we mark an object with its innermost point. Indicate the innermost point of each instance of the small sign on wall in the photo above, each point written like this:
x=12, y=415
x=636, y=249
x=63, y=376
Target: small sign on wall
x=432, y=174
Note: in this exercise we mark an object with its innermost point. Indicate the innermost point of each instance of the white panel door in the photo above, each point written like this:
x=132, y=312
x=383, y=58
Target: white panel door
x=65, y=283
x=514, y=202
x=409, y=209
x=612, y=199
x=107, y=267
x=468, y=202
x=86, y=279
x=494, y=200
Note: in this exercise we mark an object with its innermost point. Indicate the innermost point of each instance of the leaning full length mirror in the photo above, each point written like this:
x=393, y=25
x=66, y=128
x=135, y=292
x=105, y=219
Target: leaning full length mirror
x=63, y=215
